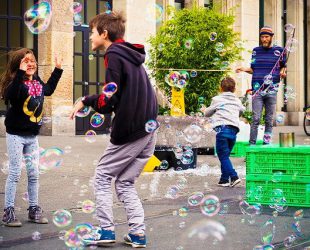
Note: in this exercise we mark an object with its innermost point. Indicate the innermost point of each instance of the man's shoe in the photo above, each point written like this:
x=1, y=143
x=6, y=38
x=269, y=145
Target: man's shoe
x=234, y=181
x=35, y=215
x=9, y=219
x=100, y=237
x=136, y=241
x=223, y=183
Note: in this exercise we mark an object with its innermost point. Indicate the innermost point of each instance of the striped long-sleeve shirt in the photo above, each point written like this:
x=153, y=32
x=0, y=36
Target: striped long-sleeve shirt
x=267, y=61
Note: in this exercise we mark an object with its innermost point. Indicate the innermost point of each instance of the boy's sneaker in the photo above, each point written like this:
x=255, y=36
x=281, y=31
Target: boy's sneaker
x=100, y=237
x=234, y=181
x=35, y=215
x=9, y=219
x=223, y=183
x=136, y=241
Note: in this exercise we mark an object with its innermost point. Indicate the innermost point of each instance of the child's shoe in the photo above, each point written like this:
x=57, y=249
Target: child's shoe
x=223, y=183
x=35, y=215
x=234, y=181
x=9, y=218
x=136, y=241
x=100, y=237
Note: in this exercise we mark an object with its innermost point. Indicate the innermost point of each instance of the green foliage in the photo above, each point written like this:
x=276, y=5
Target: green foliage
x=168, y=51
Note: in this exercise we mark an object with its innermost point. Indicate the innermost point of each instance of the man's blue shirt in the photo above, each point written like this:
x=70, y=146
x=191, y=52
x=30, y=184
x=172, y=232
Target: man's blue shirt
x=267, y=61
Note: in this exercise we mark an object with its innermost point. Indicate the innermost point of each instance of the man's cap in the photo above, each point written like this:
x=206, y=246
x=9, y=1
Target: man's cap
x=266, y=30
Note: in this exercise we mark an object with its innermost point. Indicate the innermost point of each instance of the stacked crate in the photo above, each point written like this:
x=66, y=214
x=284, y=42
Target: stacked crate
x=272, y=168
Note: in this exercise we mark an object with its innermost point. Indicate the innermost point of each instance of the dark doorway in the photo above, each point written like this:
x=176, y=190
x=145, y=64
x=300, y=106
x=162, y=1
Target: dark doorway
x=89, y=71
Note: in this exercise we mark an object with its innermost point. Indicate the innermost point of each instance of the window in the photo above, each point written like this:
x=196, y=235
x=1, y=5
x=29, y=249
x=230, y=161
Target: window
x=14, y=32
x=179, y=4
x=89, y=71
x=208, y=3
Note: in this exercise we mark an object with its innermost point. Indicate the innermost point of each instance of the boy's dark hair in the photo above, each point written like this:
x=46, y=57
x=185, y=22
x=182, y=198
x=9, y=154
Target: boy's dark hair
x=113, y=22
x=228, y=84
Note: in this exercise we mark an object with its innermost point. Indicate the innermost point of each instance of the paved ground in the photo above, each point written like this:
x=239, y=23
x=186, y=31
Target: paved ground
x=69, y=184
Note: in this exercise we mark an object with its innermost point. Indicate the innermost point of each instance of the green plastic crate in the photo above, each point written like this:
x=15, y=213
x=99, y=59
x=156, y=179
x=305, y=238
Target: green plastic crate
x=272, y=158
x=296, y=189
x=239, y=149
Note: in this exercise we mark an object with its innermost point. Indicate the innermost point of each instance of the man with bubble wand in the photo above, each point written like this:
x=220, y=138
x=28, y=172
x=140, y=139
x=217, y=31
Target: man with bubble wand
x=268, y=78
x=268, y=66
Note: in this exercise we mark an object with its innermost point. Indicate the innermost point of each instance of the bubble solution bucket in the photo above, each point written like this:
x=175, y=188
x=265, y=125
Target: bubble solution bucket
x=287, y=140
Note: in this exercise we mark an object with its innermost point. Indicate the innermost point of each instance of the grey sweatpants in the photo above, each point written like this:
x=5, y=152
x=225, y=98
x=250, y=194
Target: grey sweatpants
x=124, y=163
x=258, y=102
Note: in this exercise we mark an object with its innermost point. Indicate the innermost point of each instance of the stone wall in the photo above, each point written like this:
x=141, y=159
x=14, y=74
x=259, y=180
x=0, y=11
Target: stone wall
x=58, y=40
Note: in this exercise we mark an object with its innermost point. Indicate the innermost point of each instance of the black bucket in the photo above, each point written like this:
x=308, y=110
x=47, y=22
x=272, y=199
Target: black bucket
x=167, y=153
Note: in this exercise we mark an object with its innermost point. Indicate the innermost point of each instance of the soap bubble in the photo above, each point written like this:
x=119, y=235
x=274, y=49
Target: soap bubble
x=299, y=214
x=77, y=19
x=183, y=211
x=219, y=47
x=172, y=78
x=151, y=126
x=188, y=44
x=173, y=192
x=38, y=17
x=62, y=218
x=36, y=235
x=97, y=120
x=90, y=136
x=88, y=206
x=267, y=232
x=291, y=45
x=193, y=73
x=251, y=210
x=289, y=27
x=51, y=158
x=289, y=241
x=277, y=53
x=192, y=133
x=109, y=89
x=76, y=7
x=195, y=199
x=213, y=36
x=72, y=239
x=207, y=228
x=210, y=205
x=84, y=111
x=164, y=165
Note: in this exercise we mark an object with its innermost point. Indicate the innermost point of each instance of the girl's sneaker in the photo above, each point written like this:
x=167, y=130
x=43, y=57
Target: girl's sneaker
x=100, y=237
x=9, y=218
x=35, y=215
x=136, y=241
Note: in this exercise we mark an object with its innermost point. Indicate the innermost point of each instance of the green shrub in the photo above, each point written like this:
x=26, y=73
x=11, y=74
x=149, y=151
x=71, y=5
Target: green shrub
x=168, y=51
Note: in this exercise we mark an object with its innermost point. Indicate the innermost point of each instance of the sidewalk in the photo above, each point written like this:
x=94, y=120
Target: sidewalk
x=68, y=185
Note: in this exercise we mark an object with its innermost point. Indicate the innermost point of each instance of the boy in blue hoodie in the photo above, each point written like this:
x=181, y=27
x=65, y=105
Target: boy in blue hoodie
x=131, y=146
x=225, y=110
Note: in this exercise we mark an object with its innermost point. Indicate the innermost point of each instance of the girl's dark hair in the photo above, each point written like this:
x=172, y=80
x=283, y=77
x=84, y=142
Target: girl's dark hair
x=228, y=84
x=15, y=57
x=113, y=22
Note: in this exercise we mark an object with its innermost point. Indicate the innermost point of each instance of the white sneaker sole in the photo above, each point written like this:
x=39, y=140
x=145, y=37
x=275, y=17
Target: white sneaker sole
x=235, y=183
x=98, y=242
x=224, y=185
x=135, y=245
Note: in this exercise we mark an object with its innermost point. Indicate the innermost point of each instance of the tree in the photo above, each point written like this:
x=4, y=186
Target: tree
x=198, y=39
